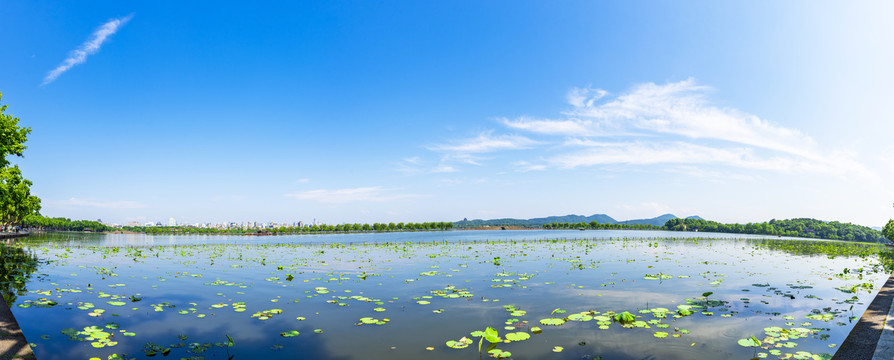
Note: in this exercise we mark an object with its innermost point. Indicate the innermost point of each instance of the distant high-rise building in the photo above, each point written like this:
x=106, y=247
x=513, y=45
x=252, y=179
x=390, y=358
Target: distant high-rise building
x=172, y=222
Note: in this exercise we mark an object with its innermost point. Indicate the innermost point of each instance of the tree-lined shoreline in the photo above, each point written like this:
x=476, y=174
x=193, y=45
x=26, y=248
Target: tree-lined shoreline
x=800, y=227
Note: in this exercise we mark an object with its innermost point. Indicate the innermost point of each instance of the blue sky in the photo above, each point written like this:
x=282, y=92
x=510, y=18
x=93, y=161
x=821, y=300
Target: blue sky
x=435, y=111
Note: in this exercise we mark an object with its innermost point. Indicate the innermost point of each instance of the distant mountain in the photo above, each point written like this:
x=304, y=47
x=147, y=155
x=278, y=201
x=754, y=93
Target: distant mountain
x=600, y=218
x=876, y=228
x=656, y=221
x=539, y=222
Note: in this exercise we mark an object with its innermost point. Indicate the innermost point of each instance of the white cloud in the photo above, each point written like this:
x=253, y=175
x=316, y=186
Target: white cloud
x=413, y=160
x=89, y=47
x=415, y=165
x=524, y=166
x=341, y=196
x=651, y=153
x=555, y=127
x=581, y=97
x=679, y=108
x=75, y=202
x=675, y=123
x=486, y=142
x=443, y=168
x=650, y=124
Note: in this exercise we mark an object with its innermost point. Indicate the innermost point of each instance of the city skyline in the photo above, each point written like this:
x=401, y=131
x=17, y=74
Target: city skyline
x=360, y=113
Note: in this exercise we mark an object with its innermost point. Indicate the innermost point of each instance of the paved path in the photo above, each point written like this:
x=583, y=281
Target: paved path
x=873, y=336
x=885, y=347
x=12, y=342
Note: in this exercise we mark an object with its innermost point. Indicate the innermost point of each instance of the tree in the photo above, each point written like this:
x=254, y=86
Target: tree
x=16, y=200
x=12, y=137
x=888, y=231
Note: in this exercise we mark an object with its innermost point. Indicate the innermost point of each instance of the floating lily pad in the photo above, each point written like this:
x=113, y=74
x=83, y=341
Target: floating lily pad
x=552, y=321
x=517, y=336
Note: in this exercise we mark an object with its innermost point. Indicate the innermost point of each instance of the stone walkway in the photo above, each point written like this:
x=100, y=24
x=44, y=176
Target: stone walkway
x=885, y=347
x=12, y=342
x=873, y=336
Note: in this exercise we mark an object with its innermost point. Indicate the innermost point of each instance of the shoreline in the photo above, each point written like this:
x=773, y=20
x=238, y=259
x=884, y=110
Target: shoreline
x=11, y=235
x=862, y=343
x=481, y=228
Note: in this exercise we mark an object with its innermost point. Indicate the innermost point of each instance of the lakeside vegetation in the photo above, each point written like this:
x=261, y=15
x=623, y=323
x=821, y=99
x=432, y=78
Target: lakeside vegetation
x=16, y=201
x=537, y=223
x=808, y=228
x=40, y=222
x=294, y=229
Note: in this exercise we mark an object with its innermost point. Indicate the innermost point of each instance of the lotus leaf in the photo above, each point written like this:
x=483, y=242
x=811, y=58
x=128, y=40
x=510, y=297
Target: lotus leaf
x=517, y=336
x=552, y=321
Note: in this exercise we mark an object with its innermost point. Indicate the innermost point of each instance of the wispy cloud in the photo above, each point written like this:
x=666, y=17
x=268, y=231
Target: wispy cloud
x=524, y=166
x=675, y=123
x=556, y=127
x=487, y=142
x=679, y=108
x=444, y=168
x=682, y=108
x=642, y=153
x=89, y=47
x=341, y=196
x=75, y=202
x=415, y=165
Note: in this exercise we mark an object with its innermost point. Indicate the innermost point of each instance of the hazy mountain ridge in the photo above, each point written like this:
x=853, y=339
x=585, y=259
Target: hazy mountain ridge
x=572, y=218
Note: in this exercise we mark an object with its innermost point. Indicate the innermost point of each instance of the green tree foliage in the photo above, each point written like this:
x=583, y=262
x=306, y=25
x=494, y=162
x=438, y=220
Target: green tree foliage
x=375, y=227
x=16, y=200
x=12, y=136
x=39, y=222
x=601, y=221
x=809, y=228
x=888, y=231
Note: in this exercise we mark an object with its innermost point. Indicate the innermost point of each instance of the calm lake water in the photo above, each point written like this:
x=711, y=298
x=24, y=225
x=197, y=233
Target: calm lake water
x=405, y=295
